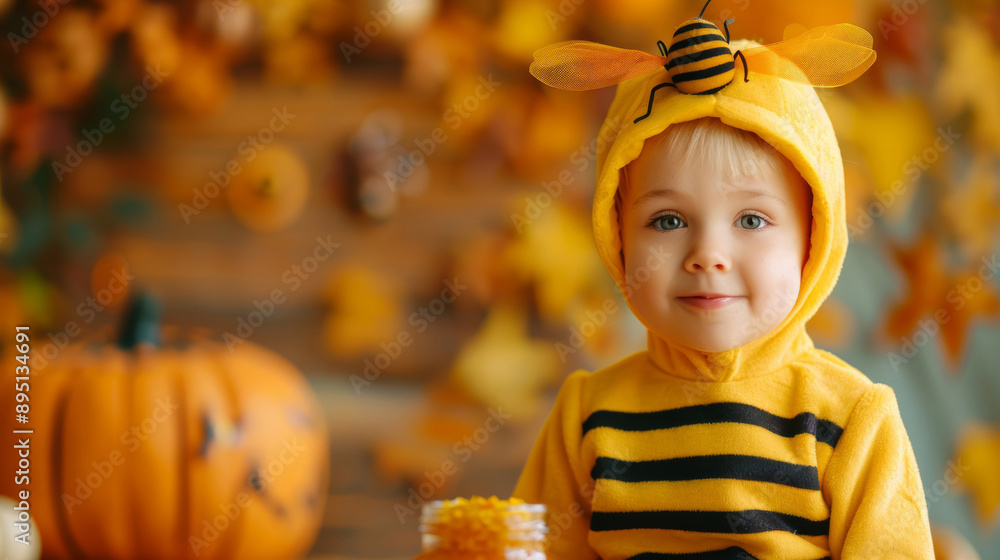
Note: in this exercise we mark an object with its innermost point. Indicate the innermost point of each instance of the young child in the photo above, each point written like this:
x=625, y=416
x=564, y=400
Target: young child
x=721, y=218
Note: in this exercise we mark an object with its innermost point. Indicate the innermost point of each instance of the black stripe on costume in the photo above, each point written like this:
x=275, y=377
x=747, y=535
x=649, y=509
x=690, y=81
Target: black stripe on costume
x=698, y=56
x=740, y=467
x=706, y=73
x=695, y=25
x=731, y=553
x=713, y=90
x=733, y=522
x=715, y=413
x=696, y=40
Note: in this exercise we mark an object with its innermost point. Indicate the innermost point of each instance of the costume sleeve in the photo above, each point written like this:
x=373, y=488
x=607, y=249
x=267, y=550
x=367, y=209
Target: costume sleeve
x=878, y=509
x=555, y=476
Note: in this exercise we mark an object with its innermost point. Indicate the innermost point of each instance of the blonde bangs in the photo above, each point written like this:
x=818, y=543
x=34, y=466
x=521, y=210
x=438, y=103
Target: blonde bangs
x=742, y=154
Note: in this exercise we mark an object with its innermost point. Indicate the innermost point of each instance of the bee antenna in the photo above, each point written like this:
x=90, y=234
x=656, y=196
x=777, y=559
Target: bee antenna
x=703, y=9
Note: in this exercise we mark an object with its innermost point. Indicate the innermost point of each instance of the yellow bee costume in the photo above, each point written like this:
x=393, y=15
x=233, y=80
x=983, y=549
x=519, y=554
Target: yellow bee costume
x=774, y=449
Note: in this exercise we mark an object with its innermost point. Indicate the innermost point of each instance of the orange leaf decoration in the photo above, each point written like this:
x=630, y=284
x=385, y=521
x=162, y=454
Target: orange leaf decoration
x=940, y=302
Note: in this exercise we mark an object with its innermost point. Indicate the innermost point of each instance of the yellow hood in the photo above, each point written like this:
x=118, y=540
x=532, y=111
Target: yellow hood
x=790, y=117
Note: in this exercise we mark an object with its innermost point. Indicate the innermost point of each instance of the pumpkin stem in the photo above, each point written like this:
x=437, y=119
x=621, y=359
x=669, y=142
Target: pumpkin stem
x=266, y=188
x=142, y=323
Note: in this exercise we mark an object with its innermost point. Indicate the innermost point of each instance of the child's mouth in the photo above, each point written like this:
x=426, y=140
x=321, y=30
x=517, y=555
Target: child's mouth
x=713, y=301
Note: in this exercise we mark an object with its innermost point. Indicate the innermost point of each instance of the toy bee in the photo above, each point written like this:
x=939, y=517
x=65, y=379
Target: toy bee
x=700, y=61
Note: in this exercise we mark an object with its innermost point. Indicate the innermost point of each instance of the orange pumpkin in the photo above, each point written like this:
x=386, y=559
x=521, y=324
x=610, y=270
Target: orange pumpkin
x=181, y=450
x=269, y=193
x=61, y=64
x=202, y=82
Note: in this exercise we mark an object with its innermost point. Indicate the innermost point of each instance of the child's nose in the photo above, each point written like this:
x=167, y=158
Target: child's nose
x=708, y=253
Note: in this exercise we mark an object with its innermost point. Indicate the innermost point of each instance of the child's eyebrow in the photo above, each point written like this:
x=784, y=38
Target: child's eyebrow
x=758, y=194
x=658, y=193
x=671, y=193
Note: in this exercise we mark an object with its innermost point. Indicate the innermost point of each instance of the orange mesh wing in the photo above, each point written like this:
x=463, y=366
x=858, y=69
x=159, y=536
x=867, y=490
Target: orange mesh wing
x=827, y=56
x=582, y=65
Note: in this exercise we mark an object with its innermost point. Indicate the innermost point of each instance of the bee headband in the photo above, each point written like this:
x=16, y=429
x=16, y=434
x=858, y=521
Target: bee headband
x=700, y=61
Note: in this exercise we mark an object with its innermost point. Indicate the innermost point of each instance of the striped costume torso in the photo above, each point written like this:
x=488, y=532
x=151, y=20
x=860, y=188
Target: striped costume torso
x=664, y=467
x=716, y=472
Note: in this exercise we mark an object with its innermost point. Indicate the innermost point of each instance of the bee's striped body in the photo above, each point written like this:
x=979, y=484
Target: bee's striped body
x=700, y=59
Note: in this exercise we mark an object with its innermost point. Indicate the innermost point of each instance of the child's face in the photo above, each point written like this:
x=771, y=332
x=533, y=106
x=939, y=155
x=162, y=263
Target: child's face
x=690, y=230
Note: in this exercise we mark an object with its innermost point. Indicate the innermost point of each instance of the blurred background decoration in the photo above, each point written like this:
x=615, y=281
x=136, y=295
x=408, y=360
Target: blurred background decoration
x=379, y=192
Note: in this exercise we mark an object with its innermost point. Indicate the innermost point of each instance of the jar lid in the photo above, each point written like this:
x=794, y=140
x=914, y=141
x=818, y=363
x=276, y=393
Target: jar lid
x=482, y=525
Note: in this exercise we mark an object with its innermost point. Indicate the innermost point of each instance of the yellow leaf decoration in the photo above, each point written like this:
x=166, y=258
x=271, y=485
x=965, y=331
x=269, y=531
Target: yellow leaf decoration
x=972, y=210
x=923, y=268
x=556, y=253
x=970, y=79
x=977, y=462
x=504, y=368
x=897, y=138
x=940, y=302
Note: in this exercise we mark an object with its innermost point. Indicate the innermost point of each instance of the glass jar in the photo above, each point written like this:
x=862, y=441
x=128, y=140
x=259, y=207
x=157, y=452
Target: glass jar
x=482, y=529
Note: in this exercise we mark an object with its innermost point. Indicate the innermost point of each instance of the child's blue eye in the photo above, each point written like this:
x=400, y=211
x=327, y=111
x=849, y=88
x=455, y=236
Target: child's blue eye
x=667, y=223
x=751, y=221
